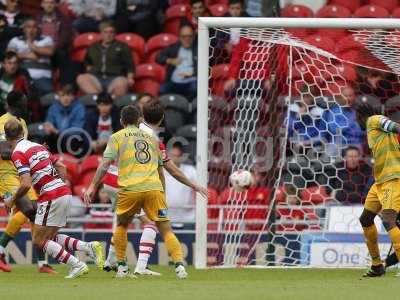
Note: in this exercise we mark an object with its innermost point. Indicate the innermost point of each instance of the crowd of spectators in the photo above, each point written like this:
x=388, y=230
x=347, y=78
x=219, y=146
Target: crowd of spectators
x=85, y=92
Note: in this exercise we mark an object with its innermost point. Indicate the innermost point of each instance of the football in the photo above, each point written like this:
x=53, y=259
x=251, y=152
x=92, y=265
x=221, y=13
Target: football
x=241, y=180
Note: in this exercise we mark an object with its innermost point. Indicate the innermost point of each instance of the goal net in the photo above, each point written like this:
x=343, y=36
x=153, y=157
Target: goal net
x=279, y=103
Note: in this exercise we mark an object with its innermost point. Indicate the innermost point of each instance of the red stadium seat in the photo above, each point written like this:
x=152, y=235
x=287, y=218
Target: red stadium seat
x=86, y=179
x=300, y=33
x=218, y=10
x=297, y=11
x=347, y=43
x=348, y=72
x=219, y=74
x=150, y=71
x=136, y=43
x=212, y=213
x=158, y=42
x=90, y=163
x=176, y=2
x=321, y=42
x=351, y=5
x=396, y=13
x=371, y=11
x=173, y=18
x=333, y=11
x=314, y=195
x=147, y=86
x=390, y=5
x=81, y=43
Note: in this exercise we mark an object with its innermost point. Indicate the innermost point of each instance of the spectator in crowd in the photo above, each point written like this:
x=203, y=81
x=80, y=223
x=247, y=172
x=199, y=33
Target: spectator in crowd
x=35, y=51
x=91, y=13
x=65, y=114
x=138, y=16
x=181, y=199
x=181, y=61
x=378, y=84
x=197, y=10
x=109, y=65
x=57, y=26
x=351, y=184
x=15, y=18
x=5, y=35
x=341, y=123
x=142, y=99
x=102, y=122
x=15, y=78
x=305, y=124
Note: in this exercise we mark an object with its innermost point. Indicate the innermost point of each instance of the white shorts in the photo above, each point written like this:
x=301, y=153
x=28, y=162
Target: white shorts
x=112, y=193
x=53, y=213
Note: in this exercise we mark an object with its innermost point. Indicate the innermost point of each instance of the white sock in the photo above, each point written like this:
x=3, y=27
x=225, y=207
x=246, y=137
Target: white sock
x=2, y=250
x=58, y=253
x=70, y=243
x=147, y=242
x=111, y=257
x=41, y=263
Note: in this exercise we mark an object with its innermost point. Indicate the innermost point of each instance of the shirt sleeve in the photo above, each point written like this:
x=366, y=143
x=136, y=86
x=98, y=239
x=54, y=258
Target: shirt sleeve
x=163, y=150
x=20, y=163
x=381, y=122
x=12, y=45
x=111, y=151
x=47, y=42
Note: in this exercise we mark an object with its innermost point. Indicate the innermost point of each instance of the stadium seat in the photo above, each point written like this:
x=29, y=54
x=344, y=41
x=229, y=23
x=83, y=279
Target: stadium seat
x=150, y=71
x=86, y=179
x=219, y=74
x=333, y=11
x=90, y=163
x=390, y=5
x=218, y=10
x=71, y=163
x=147, y=86
x=393, y=104
x=321, y=42
x=351, y=5
x=314, y=195
x=189, y=132
x=347, y=43
x=158, y=42
x=300, y=33
x=47, y=100
x=396, y=13
x=125, y=100
x=81, y=43
x=371, y=11
x=371, y=100
x=88, y=100
x=136, y=43
x=296, y=11
x=213, y=213
x=176, y=109
x=173, y=18
x=347, y=71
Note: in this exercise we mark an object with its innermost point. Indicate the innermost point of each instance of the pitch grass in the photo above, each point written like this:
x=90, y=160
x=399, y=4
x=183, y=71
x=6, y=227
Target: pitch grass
x=227, y=284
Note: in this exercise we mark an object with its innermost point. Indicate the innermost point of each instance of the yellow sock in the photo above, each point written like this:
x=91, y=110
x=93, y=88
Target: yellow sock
x=394, y=235
x=173, y=246
x=371, y=239
x=15, y=223
x=120, y=240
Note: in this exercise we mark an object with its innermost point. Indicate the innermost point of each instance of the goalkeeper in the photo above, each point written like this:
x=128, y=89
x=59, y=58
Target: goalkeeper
x=384, y=195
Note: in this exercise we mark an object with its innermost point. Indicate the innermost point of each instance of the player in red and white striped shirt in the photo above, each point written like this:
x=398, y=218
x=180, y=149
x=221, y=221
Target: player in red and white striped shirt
x=153, y=113
x=37, y=167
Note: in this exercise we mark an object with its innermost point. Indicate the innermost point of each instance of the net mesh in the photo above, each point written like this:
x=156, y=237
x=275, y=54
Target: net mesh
x=281, y=106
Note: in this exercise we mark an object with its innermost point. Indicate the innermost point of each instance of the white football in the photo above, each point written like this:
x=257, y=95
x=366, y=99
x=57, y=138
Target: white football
x=241, y=180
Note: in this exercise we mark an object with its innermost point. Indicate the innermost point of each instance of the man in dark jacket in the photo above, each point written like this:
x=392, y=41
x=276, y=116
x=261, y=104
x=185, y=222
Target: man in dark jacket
x=102, y=122
x=15, y=78
x=181, y=61
x=109, y=65
x=15, y=18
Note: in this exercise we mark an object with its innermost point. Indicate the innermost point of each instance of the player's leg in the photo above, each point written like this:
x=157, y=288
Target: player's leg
x=372, y=207
x=391, y=259
x=12, y=229
x=146, y=246
x=93, y=249
x=155, y=207
x=111, y=261
x=51, y=216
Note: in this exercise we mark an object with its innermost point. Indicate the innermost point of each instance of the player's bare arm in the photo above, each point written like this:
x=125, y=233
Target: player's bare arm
x=161, y=175
x=25, y=185
x=100, y=172
x=61, y=170
x=182, y=178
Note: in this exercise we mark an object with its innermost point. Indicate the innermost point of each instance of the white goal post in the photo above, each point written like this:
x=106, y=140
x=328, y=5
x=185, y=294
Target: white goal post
x=203, y=74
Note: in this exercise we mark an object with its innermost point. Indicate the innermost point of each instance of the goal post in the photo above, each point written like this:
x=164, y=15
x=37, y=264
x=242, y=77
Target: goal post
x=227, y=238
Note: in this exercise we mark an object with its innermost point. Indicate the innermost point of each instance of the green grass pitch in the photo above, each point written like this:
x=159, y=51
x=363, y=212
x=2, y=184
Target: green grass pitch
x=227, y=284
